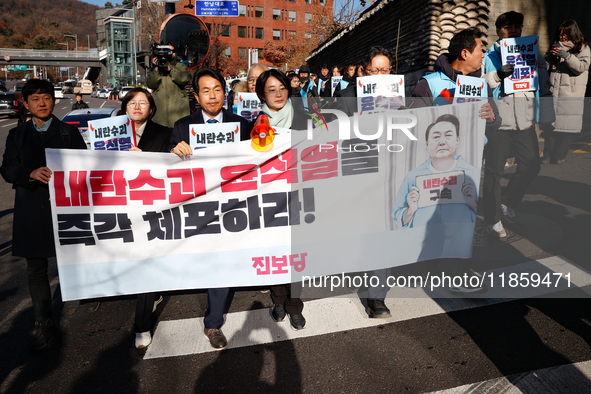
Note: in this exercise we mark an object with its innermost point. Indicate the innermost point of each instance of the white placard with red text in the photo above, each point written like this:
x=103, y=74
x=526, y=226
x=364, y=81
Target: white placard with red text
x=114, y=133
x=249, y=106
x=378, y=93
x=522, y=52
x=206, y=135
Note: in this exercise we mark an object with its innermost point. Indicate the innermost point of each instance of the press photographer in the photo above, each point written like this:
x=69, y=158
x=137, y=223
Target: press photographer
x=168, y=79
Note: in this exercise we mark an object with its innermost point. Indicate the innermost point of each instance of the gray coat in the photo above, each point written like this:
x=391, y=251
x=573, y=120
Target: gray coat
x=568, y=82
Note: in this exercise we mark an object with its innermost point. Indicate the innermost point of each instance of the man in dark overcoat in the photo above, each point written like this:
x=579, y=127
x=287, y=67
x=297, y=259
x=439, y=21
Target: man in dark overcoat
x=24, y=166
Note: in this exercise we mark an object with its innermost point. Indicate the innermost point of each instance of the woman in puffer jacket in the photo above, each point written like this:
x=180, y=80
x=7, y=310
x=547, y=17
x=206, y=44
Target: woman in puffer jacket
x=568, y=65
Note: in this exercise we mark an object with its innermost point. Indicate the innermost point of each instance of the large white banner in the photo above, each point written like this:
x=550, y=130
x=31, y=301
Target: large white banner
x=230, y=215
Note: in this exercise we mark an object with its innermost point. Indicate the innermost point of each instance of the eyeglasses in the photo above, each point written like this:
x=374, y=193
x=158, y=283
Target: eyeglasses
x=274, y=92
x=375, y=71
x=143, y=104
x=511, y=27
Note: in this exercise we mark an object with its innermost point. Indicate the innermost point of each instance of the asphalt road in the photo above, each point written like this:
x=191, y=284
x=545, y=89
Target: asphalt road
x=524, y=340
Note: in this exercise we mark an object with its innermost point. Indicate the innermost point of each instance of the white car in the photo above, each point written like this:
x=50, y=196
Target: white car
x=58, y=92
x=124, y=91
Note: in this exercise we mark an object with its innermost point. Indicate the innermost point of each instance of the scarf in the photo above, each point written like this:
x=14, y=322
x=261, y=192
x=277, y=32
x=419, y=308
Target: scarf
x=282, y=118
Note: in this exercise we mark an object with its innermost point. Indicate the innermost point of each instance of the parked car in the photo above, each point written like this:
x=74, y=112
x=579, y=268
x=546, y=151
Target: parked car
x=104, y=93
x=124, y=91
x=9, y=104
x=81, y=117
x=58, y=92
x=95, y=93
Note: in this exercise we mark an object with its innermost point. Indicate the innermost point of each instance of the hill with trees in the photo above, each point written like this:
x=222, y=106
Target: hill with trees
x=41, y=24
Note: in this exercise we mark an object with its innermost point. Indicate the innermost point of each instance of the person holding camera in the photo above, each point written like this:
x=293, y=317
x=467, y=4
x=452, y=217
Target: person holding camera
x=168, y=80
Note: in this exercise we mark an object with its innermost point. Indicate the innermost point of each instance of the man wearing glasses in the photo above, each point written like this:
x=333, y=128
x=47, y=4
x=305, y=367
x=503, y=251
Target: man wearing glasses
x=519, y=112
x=377, y=62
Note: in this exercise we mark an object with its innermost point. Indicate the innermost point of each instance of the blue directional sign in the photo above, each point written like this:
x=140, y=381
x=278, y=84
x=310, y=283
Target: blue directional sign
x=216, y=8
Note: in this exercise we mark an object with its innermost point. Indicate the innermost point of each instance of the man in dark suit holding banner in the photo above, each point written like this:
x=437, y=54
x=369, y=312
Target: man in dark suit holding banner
x=210, y=88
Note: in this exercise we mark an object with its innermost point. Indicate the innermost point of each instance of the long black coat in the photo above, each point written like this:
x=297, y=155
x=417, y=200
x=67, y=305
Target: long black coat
x=32, y=231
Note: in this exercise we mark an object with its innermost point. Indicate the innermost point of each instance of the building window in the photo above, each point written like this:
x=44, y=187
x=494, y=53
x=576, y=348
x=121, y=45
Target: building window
x=292, y=16
x=308, y=18
x=258, y=12
x=259, y=32
x=208, y=25
x=242, y=53
x=322, y=2
x=308, y=1
x=242, y=31
x=241, y=10
x=228, y=52
x=293, y=1
x=276, y=14
x=292, y=33
x=226, y=30
x=276, y=34
x=308, y=35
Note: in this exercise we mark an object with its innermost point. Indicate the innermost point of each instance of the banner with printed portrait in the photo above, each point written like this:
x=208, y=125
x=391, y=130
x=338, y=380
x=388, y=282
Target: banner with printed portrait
x=321, y=201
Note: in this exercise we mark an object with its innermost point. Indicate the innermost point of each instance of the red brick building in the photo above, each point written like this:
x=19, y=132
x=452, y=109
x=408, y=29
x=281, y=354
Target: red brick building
x=262, y=21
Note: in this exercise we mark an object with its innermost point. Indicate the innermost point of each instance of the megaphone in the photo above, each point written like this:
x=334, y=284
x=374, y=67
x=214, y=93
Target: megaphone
x=189, y=35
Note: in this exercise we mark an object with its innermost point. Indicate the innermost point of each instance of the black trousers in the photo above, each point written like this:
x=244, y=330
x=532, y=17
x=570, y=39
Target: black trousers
x=39, y=288
x=143, y=311
x=556, y=144
x=523, y=144
x=281, y=295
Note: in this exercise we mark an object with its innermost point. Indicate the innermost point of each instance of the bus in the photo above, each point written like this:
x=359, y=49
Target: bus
x=83, y=87
x=68, y=86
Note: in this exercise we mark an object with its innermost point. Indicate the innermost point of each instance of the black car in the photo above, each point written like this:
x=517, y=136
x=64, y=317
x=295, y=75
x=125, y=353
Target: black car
x=9, y=104
x=80, y=117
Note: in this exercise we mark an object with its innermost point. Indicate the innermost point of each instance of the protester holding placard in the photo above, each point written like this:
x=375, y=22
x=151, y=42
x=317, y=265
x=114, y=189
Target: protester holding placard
x=150, y=137
x=376, y=62
x=516, y=134
x=568, y=62
x=139, y=104
x=442, y=87
x=209, y=88
x=273, y=89
x=24, y=165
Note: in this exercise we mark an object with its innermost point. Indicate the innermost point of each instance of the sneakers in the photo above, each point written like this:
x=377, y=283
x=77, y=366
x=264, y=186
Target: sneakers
x=217, y=339
x=158, y=301
x=507, y=211
x=497, y=229
x=278, y=313
x=377, y=309
x=297, y=321
x=143, y=339
x=44, y=330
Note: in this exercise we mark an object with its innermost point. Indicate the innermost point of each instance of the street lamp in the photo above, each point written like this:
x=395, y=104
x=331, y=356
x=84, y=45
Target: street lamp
x=76, y=37
x=67, y=50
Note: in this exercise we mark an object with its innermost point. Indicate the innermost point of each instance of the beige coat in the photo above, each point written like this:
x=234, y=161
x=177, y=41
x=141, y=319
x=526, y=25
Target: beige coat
x=568, y=84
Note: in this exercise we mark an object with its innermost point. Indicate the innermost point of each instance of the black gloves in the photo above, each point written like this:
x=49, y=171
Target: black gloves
x=505, y=71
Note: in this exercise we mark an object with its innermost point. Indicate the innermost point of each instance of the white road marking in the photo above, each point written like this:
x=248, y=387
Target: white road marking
x=325, y=316
x=103, y=104
x=569, y=378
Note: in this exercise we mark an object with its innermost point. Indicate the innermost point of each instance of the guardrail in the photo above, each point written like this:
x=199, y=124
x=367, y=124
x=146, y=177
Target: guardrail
x=37, y=53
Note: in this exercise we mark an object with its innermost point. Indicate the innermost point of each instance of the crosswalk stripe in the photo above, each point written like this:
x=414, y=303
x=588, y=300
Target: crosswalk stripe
x=329, y=315
x=569, y=378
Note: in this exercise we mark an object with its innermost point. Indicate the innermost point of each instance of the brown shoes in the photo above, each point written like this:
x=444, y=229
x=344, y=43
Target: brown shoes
x=217, y=340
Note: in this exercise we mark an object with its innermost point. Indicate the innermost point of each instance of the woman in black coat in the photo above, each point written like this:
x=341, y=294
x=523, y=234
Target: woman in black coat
x=150, y=137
